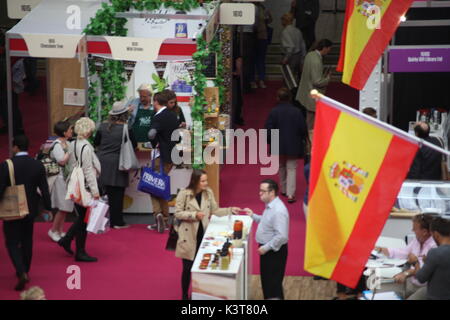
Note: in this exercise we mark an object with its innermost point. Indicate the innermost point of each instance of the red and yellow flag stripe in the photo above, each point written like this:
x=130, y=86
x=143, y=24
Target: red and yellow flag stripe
x=357, y=170
x=362, y=46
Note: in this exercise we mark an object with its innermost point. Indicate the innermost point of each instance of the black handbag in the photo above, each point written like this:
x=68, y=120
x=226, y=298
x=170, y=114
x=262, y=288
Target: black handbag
x=171, y=244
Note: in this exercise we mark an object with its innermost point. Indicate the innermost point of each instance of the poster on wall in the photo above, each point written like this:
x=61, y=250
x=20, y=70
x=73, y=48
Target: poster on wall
x=180, y=75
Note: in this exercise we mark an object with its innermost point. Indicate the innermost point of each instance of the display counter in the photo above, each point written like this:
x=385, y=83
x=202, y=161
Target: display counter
x=217, y=284
x=417, y=197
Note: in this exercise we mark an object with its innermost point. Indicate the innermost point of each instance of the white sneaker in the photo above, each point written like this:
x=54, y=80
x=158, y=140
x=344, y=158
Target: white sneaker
x=262, y=84
x=54, y=235
x=62, y=234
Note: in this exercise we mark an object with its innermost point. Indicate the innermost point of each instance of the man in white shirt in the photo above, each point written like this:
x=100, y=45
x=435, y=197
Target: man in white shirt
x=292, y=44
x=272, y=236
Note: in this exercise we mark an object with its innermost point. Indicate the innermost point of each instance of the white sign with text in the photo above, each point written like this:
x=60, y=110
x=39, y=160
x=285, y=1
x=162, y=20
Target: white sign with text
x=237, y=13
x=17, y=9
x=52, y=46
x=134, y=49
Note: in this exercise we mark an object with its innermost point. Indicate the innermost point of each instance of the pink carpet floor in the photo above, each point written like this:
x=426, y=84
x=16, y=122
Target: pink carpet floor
x=132, y=262
x=132, y=265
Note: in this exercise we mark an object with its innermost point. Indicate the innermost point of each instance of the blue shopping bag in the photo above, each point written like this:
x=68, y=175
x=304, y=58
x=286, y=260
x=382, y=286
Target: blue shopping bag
x=155, y=183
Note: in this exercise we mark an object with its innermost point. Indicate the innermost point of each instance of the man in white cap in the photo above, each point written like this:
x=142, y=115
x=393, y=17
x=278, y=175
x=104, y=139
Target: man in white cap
x=142, y=113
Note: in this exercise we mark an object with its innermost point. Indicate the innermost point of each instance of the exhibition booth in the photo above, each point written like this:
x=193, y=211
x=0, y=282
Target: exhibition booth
x=93, y=62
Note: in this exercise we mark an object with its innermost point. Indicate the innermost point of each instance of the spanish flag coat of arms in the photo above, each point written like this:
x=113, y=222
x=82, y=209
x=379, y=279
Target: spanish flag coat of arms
x=368, y=27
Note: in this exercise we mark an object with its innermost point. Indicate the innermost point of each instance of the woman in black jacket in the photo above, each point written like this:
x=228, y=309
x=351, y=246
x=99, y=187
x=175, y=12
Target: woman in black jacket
x=108, y=141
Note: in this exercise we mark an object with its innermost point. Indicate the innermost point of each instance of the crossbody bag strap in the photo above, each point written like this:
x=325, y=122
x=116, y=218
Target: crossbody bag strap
x=81, y=155
x=11, y=172
x=125, y=136
x=80, y=163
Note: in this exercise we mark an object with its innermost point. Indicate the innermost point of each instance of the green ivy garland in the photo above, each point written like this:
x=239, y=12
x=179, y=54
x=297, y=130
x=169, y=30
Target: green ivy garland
x=112, y=78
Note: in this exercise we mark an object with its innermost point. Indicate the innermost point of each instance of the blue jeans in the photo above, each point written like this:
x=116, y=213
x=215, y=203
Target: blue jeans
x=260, y=59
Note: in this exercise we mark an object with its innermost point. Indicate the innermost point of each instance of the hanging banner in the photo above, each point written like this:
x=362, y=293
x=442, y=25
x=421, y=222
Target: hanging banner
x=17, y=9
x=52, y=46
x=160, y=67
x=134, y=49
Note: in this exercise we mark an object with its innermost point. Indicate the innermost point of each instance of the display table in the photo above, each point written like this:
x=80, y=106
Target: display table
x=387, y=268
x=230, y=284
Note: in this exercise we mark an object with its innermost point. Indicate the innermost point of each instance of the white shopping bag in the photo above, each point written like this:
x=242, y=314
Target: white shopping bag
x=98, y=217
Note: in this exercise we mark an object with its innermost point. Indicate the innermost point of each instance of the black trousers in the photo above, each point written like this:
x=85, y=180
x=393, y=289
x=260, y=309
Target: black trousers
x=19, y=243
x=309, y=34
x=115, y=199
x=78, y=230
x=273, y=265
x=360, y=287
x=248, y=59
x=187, y=266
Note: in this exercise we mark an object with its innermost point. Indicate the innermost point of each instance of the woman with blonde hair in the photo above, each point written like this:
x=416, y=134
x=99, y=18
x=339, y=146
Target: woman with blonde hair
x=34, y=293
x=82, y=151
x=194, y=207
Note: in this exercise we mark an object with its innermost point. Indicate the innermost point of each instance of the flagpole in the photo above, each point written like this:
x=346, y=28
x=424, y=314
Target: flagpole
x=336, y=104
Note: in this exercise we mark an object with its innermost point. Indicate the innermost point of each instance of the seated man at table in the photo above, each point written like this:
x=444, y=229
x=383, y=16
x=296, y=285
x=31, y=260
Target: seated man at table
x=419, y=247
x=436, y=269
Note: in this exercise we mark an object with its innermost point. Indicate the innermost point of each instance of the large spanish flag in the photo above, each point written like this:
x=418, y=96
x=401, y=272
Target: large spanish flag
x=357, y=169
x=364, y=39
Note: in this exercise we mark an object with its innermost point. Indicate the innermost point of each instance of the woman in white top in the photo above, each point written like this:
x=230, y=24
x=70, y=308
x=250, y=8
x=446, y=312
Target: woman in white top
x=60, y=153
x=81, y=150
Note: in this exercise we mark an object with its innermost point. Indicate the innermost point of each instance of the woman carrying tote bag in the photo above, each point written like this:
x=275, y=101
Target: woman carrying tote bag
x=194, y=206
x=82, y=152
x=109, y=140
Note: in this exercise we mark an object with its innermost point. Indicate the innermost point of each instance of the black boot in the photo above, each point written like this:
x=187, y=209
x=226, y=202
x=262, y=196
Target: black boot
x=65, y=243
x=81, y=254
x=84, y=257
x=23, y=280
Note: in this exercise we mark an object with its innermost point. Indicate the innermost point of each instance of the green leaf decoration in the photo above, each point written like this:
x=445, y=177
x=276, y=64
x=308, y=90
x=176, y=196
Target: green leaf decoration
x=112, y=76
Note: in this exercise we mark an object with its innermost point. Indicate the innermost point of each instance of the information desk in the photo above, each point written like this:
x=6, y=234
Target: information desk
x=230, y=284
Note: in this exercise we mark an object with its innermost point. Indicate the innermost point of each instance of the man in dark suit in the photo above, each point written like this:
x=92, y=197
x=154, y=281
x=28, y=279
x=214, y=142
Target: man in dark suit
x=427, y=162
x=163, y=125
x=291, y=124
x=306, y=13
x=19, y=233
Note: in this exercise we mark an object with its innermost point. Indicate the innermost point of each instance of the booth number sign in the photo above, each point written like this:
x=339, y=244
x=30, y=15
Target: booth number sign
x=237, y=13
x=135, y=47
x=17, y=9
x=52, y=45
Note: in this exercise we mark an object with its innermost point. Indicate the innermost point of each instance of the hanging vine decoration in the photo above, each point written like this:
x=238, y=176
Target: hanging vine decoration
x=112, y=78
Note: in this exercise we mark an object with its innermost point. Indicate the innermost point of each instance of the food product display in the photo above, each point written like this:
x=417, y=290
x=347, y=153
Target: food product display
x=220, y=255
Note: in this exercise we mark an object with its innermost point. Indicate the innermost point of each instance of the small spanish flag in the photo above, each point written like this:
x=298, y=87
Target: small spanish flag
x=368, y=27
x=357, y=169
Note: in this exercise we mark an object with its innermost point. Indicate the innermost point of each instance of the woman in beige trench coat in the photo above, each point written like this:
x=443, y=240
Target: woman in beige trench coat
x=194, y=204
